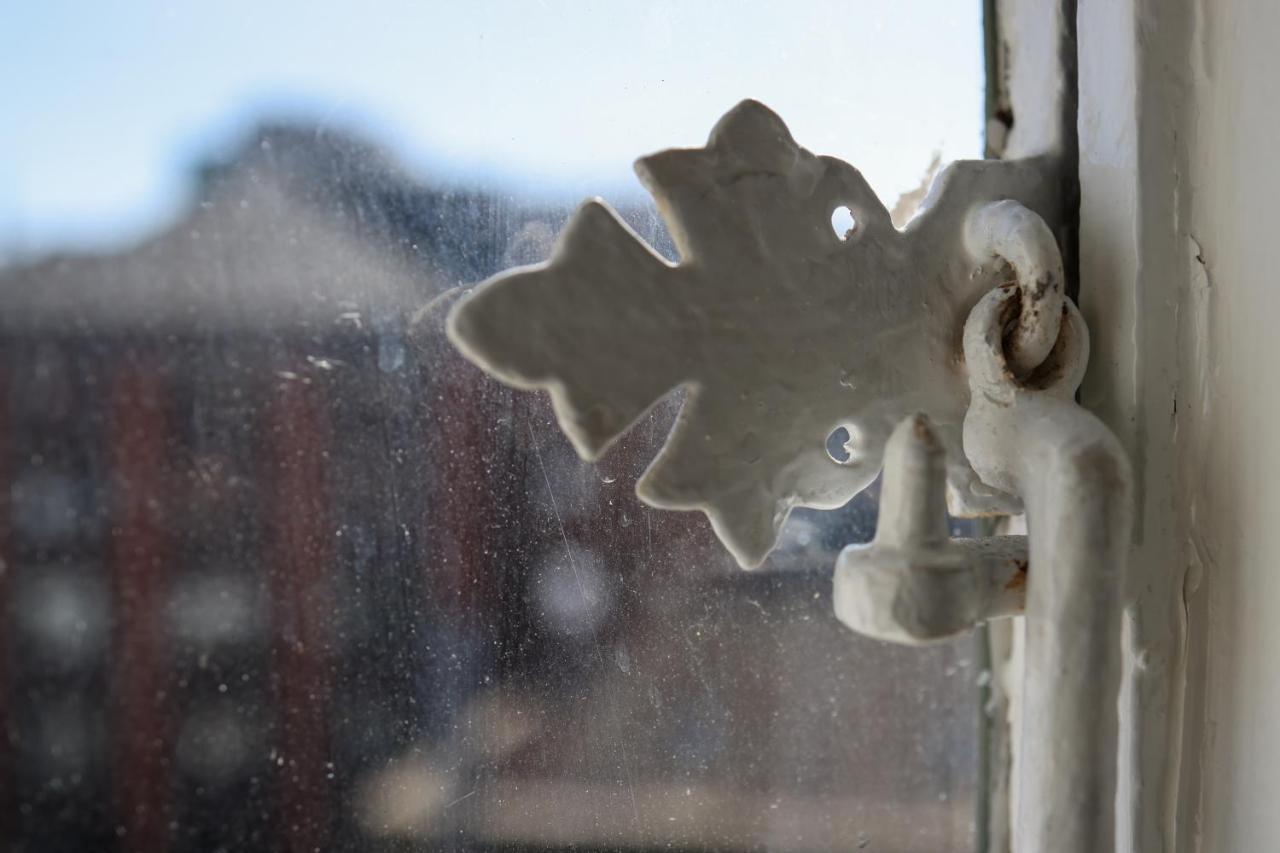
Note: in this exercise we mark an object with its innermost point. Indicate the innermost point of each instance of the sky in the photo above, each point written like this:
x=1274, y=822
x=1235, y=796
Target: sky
x=108, y=105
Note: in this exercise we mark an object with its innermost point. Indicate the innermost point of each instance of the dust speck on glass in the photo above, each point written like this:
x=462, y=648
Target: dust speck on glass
x=283, y=572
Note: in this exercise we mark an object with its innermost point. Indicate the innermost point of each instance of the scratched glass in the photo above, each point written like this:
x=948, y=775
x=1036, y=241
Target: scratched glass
x=283, y=572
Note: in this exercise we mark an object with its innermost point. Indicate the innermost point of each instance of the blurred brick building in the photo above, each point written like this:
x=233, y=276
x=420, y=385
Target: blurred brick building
x=284, y=572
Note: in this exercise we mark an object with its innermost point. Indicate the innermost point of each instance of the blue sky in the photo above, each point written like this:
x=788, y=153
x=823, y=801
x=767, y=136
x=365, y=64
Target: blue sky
x=108, y=104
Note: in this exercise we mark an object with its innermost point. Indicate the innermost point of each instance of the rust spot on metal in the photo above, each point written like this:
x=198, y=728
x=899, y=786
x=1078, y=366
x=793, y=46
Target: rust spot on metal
x=1053, y=367
x=1010, y=314
x=1018, y=583
x=1043, y=285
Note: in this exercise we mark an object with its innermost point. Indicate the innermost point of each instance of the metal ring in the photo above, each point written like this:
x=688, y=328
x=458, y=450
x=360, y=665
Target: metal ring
x=1010, y=232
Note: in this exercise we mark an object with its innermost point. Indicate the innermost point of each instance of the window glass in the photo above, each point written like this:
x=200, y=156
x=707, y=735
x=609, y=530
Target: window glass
x=284, y=572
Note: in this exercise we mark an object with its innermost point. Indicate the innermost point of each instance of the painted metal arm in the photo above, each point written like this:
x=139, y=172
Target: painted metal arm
x=912, y=584
x=1029, y=437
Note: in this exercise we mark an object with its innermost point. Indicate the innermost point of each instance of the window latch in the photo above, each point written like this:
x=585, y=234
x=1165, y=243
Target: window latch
x=947, y=350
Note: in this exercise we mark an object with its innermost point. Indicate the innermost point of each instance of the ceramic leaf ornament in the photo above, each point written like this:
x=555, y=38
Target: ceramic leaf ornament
x=780, y=329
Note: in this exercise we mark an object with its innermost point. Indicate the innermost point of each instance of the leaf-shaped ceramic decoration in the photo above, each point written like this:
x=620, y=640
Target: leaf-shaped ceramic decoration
x=780, y=329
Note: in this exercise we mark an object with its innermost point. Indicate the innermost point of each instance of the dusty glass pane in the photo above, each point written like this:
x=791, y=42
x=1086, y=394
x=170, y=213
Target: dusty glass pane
x=283, y=572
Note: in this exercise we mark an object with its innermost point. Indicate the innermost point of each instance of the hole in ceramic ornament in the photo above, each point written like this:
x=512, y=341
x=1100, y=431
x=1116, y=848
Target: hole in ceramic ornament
x=842, y=445
x=842, y=222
